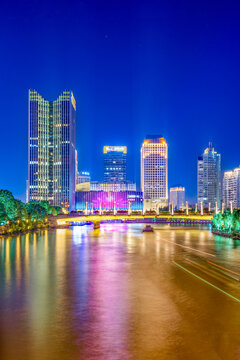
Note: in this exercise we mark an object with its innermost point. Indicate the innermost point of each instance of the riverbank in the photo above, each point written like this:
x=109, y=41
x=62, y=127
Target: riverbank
x=234, y=236
x=32, y=231
x=25, y=227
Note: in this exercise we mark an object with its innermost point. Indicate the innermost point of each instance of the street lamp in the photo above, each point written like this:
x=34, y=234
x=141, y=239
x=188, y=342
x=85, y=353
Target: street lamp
x=209, y=207
x=129, y=208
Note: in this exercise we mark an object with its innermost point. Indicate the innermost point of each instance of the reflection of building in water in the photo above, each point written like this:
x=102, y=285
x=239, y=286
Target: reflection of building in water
x=108, y=292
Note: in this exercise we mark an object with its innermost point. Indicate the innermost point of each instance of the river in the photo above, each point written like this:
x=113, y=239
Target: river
x=116, y=293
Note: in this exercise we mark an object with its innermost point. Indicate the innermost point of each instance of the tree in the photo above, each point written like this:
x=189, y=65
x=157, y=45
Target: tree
x=56, y=210
x=3, y=214
x=35, y=210
x=227, y=221
x=51, y=209
x=10, y=204
x=217, y=221
x=236, y=220
x=21, y=210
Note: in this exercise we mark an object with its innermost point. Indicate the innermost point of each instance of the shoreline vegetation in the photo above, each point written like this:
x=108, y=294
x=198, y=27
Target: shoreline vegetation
x=17, y=217
x=227, y=224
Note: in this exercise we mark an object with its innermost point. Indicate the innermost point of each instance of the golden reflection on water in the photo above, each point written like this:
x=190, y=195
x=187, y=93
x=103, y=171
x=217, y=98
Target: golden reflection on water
x=18, y=261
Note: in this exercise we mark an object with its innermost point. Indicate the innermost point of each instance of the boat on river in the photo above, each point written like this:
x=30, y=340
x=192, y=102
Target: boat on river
x=148, y=228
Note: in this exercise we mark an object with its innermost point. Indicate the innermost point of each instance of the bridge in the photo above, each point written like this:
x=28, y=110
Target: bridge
x=166, y=218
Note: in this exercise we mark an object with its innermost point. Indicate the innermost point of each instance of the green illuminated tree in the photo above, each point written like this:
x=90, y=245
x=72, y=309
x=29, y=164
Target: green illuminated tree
x=217, y=221
x=227, y=221
x=21, y=210
x=3, y=214
x=236, y=220
x=35, y=210
x=10, y=204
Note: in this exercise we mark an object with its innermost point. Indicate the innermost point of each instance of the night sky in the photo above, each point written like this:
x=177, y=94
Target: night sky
x=136, y=68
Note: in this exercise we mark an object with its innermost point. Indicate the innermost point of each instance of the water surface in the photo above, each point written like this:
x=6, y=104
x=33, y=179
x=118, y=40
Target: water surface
x=117, y=293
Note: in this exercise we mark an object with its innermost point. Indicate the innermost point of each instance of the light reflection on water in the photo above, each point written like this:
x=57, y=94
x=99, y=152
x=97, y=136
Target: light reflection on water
x=114, y=293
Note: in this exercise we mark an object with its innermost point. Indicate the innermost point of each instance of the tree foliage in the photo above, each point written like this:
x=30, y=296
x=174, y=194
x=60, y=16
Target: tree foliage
x=227, y=222
x=3, y=214
x=10, y=204
x=13, y=210
x=35, y=210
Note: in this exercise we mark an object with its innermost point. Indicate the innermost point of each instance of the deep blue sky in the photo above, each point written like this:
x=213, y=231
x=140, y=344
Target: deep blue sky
x=135, y=67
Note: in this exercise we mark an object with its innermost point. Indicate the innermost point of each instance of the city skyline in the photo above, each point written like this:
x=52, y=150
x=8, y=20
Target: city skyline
x=109, y=153
x=150, y=75
x=118, y=148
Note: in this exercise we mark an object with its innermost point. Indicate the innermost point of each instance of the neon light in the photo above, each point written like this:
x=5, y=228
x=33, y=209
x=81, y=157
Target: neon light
x=207, y=282
x=221, y=267
x=107, y=149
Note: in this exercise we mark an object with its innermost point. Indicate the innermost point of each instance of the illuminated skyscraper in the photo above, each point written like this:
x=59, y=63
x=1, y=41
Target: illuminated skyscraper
x=154, y=172
x=51, y=149
x=177, y=197
x=115, y=164
x=231, y=188
x=209, y=178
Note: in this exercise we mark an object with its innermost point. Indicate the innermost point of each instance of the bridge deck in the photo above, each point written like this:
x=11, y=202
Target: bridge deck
x=93, y=218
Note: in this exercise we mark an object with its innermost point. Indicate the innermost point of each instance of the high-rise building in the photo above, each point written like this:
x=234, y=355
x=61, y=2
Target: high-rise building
x=83, y=177
x=103, y=186
x=209, y=178
x=231, y=188
x=76, y=167
x=154, y=172
x=51, y=149
x=177, y=197
x=115, y=163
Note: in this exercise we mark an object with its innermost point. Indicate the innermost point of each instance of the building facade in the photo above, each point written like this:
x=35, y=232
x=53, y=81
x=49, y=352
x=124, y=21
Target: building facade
x=177, y=197
x=112, y=186
x=120, y=200
x=209, y=178
x=115, y=164
x=51, y=149
x=154, y=172
x=83, y=177
x=231, y=188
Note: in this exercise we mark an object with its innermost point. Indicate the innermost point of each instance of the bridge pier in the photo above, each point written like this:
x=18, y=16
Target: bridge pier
x=96, y=224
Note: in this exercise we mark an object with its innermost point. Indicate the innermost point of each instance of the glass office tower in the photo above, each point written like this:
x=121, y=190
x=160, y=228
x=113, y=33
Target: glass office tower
x=231, y=188
x=209, y=178
x=154, y=171
x=51, y=149
x=115, y=164
x=177, y=197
